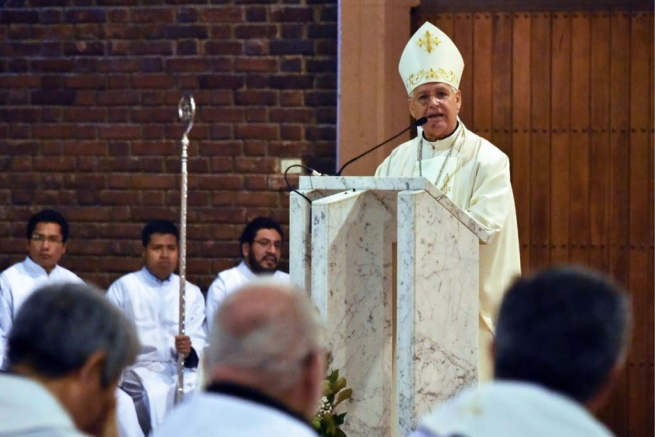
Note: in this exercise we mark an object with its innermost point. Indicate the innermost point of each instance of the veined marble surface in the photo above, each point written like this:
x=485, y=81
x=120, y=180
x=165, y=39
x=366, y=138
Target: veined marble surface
x=437, y=339
x=342, y=249
x=351, y=286
x=332, y=184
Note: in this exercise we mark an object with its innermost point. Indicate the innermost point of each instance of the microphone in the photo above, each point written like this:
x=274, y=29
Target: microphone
x=420, y=122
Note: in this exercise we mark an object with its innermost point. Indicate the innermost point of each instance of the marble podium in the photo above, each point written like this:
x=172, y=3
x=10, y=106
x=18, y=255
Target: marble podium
x=392, y=264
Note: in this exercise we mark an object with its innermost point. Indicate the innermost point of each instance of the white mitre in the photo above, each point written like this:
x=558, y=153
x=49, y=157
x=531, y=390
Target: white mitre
x=430, y=56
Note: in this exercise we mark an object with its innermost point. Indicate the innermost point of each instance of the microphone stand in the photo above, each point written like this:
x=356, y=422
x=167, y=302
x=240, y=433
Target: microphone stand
x=420, y=122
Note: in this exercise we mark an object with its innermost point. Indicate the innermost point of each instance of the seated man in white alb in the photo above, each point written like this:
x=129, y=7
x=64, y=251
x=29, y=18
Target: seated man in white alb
x=150, y=298
x=47, y=236
x=261, y=249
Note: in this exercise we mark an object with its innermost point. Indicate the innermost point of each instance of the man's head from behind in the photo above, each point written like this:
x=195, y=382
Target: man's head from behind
x=268, y=336
x=160, y=239
x=261, y=245
x=72, y=340
x=565, y=329
x=47, y=234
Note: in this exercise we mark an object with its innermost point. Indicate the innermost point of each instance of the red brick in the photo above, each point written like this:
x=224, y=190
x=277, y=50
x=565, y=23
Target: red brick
x=23, y=115
x=118, y=15
x=277, y=182
x=53, y=97
x=258, y=97
x=86, y=163
x=121, y=32
x=64, y=131
x=154, y=115
x=267, y=65
x=256, y=165
x=221, y=164
x=19, y=16
x=188, y=81
x=163, y=48
x=77, y=180
x=152, y=181
x=291, y=132
x=89, y=148
x=187, y=47
x=120, y=197
x=21, y=163
x=151, y=164
x=52, y=147
x=119, y=98
x=151, y=213
x=254, y=182
x=55, y=197
x=223, y=48
x=223, y=115
x=215, y=182
x=255, y=148
x=82, y=15
x=119, y=181
x=189, y=65
x=256, y=114
x=153, y=15
x=84, y=48
x=85, y=98
x=17, y=131
x=177, y=31
x=85, y=115
x=118, y=81
x=153, y=198
x=246, y=31
x=85, y=81
x=154, y=148
x=220, y=32
x=257, y=131
x=195, y=198
x=223, y=14
x=152, y=81
x=292, y=98
x=284, y=115
x=121, y=131
x=223, y=215
x=117, y=115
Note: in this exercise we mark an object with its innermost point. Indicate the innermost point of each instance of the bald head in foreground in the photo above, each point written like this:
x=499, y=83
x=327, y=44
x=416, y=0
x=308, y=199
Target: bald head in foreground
x=266, y=364
x=561, y=344
x=67, y=349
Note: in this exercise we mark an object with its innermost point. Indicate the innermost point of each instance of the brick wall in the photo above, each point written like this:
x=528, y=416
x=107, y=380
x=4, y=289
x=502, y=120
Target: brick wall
x=88, y=121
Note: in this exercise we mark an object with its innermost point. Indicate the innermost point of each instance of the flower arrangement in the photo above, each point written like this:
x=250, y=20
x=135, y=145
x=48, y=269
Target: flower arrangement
x=326, y=421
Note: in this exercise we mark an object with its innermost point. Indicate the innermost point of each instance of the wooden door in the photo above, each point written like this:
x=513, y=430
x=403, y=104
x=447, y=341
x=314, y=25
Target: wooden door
x=568, y=95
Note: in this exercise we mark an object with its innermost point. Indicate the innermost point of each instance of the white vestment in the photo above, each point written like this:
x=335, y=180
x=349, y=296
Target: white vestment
x=476, y=178
x=28, y=408
x=511, y=409
x=16, y=284
x=153, y=306
x=219, y=415
x=227, y=282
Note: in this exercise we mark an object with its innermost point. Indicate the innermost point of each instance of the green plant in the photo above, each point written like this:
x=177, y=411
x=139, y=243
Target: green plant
x=326, y=421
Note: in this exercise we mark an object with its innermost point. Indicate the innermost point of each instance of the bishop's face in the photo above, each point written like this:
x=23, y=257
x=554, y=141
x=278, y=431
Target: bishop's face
x=440, y=103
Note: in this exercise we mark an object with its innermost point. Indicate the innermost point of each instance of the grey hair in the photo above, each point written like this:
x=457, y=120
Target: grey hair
x=276, y=342
x=60, y=326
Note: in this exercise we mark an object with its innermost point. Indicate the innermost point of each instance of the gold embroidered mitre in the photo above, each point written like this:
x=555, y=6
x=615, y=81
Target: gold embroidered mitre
x=430, y=56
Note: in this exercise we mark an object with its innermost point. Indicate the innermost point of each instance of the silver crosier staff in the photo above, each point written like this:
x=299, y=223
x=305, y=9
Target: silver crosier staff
x=186, y=110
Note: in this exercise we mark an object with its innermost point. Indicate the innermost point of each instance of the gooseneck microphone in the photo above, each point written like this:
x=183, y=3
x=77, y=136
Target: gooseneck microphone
x=420, y=122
